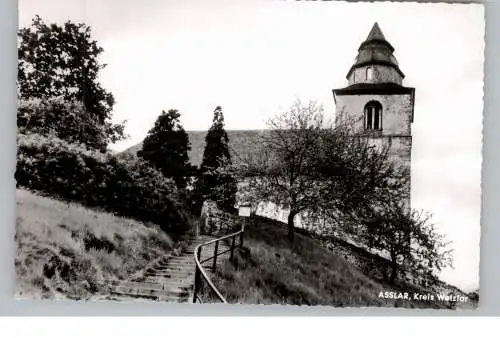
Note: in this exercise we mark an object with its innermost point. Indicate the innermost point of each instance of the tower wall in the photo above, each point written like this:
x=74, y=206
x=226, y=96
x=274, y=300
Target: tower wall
x=381, y=74
x=397, y=116
x=397, y=111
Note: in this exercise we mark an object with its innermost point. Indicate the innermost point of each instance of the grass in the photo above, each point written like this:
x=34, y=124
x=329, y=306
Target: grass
x=270, y=270
x=67, y=251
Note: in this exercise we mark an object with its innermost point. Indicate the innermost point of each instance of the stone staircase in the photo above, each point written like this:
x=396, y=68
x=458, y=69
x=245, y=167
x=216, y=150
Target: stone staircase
x=169, y=279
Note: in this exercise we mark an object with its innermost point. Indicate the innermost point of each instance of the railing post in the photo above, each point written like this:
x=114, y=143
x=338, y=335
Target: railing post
x=242, y=231
x=232, y=250
x=215, y=255
x=197, y=278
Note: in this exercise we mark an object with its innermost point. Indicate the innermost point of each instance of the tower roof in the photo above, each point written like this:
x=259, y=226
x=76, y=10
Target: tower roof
x=375, y=33
x=375, y=50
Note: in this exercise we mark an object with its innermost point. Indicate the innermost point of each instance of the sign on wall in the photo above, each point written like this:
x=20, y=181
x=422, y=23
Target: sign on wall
x=244, y=210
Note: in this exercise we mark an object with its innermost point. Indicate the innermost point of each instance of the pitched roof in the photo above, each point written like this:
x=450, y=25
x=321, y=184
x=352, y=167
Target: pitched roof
x=241, y=143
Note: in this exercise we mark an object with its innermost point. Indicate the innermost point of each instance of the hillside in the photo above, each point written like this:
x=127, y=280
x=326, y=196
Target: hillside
x=240, y=142
x=67, y=251
x=271, y=271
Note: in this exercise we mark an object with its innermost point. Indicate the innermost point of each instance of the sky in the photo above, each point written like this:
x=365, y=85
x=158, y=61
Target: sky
x=254, y=58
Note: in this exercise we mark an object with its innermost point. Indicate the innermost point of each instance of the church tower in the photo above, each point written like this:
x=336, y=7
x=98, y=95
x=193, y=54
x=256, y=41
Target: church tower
x=376, y=100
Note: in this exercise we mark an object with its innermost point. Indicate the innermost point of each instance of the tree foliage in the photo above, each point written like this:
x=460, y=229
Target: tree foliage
x=282, y=171
x=63, y=61
x=214, y=182
x=333, y=173
x=125, y=186
x=309, y=167
x=409, y=238
x=166, y=147
x=67, y=120
x=216, y=152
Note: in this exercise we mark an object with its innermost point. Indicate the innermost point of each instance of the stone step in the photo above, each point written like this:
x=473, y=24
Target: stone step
x=187, y=263
x=195, y=244
x=141, y=284
x=187, y=258
x=161, y=280
x=172, y=268
x=180, y=283
x=171, y=278
x=168, y=292
x=127, y=295
x=170, y=272
x=169, y=299
x=183, y=299
x=163, y=277
x=169, y=268
x=169, y=275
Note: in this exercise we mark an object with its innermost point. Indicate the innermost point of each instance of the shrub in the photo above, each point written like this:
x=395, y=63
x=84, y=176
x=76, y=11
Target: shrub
x=126, y=186
x=67, y=120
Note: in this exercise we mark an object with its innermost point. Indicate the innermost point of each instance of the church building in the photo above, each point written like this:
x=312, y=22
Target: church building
x=376, y=101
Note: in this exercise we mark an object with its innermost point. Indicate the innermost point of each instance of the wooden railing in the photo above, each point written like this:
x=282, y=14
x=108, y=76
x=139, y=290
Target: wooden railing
x=204, y=288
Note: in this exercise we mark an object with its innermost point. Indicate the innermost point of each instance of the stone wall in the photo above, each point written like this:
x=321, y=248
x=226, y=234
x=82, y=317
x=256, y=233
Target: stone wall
x=397, y=116
x=396, y=112
x=381, y=74
x=214, y=221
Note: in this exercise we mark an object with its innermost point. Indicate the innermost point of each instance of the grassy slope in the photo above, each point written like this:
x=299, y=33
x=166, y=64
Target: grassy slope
x=273, y=272
x=65, y=250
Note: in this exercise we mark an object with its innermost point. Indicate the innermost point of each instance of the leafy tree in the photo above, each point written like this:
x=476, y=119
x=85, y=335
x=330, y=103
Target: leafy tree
x=214, y=182
x=63, y=61
x=310, y=168
x=281, y=171
x=357, y=179
x=409, y=238
x=66, y=120
x=166, y=146
x=120, y=184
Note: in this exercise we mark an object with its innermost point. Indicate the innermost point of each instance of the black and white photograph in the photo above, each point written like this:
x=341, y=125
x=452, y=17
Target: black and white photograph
x=307, y=153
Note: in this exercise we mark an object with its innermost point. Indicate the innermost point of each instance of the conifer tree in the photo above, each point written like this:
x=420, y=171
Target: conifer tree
x=166, y=147
x=214, y=182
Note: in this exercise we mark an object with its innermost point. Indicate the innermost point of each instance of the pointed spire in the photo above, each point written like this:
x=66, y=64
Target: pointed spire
x=375, y=33
x=375, y=36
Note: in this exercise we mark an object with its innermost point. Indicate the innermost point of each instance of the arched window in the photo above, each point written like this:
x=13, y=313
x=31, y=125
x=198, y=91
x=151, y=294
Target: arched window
x=373, y=116
x=369, y=73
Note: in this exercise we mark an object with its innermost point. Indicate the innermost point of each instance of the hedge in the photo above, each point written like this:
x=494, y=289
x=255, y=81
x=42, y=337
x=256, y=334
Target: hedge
x=125, y=186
